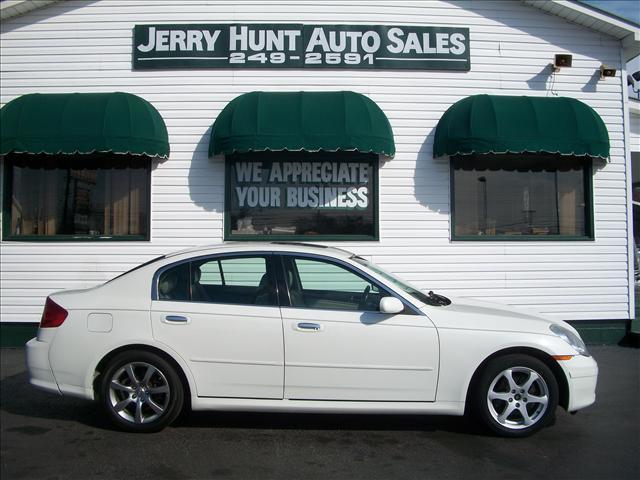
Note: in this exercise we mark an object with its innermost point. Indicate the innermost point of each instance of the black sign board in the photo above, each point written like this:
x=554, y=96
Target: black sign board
x=300, y=46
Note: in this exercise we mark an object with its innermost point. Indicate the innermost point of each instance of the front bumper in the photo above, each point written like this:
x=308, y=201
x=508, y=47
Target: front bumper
x=40, y=374
x=582, y=377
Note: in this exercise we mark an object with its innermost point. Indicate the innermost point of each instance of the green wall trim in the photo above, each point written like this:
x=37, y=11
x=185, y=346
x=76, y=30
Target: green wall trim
x=14, y=334
x=601, y=332
x=635, y=323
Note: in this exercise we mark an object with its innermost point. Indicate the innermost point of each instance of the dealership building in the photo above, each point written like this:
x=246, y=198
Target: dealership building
x=477, y=149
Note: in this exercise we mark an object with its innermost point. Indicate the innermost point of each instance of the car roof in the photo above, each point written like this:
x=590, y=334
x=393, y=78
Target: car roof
x=232, y=247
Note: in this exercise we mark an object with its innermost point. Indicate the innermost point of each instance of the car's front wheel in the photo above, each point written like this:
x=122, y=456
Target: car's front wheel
x=140, y=392
x=516, y=395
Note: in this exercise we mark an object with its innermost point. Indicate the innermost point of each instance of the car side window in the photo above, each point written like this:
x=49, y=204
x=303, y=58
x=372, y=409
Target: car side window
x=237, y=280
x=173, y=284
x=244, y=280
x=324, y=285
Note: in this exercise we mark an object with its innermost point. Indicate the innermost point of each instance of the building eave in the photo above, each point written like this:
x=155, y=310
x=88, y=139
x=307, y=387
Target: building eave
x=15, y=8
x=581, y=14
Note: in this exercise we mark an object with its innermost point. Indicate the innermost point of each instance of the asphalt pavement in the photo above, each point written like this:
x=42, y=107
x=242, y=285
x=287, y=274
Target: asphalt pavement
x=47, y=437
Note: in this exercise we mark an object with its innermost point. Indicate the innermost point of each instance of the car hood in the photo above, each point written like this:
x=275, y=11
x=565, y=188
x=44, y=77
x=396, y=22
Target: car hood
x=470, y=314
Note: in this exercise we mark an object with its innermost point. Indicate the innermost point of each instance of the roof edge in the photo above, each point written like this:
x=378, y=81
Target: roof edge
x=627, y=31
x=15, y=8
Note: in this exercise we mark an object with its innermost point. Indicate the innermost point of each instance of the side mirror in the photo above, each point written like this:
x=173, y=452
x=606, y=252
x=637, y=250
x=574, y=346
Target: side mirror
x=391, y=305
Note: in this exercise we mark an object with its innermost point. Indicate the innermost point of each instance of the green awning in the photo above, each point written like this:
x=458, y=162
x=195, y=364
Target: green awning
x=71, y=123
x=309, y=121
x=502, y=124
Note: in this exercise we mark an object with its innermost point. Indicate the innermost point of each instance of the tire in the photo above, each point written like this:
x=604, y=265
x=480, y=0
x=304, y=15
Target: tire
x=515, y=396
x=141, y=392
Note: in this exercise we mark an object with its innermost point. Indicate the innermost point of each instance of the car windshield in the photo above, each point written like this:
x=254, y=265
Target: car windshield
x=401, y=284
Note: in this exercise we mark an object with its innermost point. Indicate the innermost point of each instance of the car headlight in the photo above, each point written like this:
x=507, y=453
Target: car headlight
x=571, y=338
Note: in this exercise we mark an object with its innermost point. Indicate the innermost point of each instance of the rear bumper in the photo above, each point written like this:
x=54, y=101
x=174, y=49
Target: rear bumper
x=582, y=377
x=40, y=374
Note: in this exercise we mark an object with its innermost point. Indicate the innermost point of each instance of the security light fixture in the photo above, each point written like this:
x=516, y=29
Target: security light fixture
x=632, y=80
x=562, y=60
x=607, y=71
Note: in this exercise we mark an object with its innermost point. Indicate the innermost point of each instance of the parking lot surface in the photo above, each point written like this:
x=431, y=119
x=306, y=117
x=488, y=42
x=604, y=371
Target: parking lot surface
x=47, y=437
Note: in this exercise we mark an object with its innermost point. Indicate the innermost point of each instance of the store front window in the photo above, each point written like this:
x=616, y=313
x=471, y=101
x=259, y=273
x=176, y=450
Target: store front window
x=302, y=195
x=79, y=197
x=521, y=197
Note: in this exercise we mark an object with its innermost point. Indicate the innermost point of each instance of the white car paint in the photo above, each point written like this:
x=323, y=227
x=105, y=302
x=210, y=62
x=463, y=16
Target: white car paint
x=249, y=357
x=235, y=351
x=360, y=356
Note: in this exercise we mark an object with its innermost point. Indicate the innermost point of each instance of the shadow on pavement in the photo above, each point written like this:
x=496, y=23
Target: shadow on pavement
x=18, y=397
x=322, y=421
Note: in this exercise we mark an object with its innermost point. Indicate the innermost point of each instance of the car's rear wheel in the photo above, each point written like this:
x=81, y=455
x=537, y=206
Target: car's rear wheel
x=516, y=395
x=141, y=392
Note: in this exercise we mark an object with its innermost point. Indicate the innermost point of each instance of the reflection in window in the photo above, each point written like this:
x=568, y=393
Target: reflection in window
x=246, y=281
x=510, y=196
x=173, y=284
x=94, y=196
x=233, y=271
x=323, y=285
x=316, y=275
x=301, y=194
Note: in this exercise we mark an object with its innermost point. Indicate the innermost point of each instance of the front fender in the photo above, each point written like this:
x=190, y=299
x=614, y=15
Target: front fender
x=462, y=351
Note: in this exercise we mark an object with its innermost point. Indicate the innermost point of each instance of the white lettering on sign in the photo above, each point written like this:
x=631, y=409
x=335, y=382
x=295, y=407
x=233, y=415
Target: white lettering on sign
x=211, y=38
x=300, y=46
x=179, y=40
x=249, y=171
x=258, y=196
x=457, y=40
x=342, y=40
x=259, y=40
x=327, y=197
x=412, y=43
x=333, y=184
x=312, y=172
x=194, y=40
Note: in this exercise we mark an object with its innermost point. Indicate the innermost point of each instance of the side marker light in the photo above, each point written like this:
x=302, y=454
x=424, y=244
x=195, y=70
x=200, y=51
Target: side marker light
x=563, y=357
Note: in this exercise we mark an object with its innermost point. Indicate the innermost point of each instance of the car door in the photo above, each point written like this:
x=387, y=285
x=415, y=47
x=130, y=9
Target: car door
x=221, y=315
x=339, y=346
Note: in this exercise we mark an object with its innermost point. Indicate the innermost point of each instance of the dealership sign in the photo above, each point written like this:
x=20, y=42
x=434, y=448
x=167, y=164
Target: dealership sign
x=300, y=46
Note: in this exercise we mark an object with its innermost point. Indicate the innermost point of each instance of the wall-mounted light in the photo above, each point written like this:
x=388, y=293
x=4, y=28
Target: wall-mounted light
x=632, y=80
x=562, y=60
x=607, y=72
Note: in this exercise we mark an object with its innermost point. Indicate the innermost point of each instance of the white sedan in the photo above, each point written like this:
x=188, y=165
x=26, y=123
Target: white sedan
x=301, y=328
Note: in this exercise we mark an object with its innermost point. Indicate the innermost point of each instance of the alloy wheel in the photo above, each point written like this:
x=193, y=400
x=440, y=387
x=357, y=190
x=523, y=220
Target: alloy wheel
x=139, y=392
x=517, y=398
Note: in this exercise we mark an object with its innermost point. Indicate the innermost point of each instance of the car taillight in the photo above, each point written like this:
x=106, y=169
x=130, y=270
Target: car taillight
x=53, y=315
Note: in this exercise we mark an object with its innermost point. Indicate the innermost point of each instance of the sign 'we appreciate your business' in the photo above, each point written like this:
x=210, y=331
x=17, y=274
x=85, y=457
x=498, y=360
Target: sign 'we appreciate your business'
x=300, y=46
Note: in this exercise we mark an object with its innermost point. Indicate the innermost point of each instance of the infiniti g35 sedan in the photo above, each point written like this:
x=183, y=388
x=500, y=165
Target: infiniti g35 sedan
x=301, y=328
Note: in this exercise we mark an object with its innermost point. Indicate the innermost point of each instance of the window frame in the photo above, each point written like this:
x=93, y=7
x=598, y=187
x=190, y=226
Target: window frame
x=283, y=285
x=278, y=259
x=228, y=236
x=268, y=256
x=587, y=168
x=7, y=170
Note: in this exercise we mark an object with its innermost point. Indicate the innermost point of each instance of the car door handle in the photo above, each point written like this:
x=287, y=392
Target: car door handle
x=176, y=319
x=309, y=327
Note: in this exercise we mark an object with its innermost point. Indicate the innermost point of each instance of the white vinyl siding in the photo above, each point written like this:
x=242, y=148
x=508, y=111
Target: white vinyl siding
x=78, y=46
